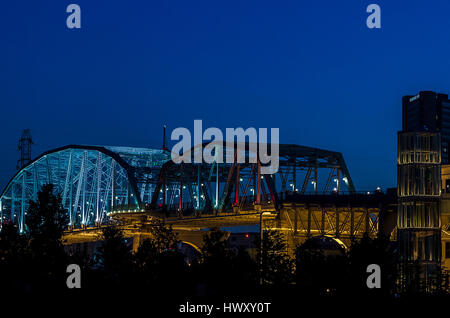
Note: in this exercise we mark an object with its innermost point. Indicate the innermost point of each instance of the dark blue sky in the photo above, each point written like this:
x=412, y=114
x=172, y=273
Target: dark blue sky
x=311, y=68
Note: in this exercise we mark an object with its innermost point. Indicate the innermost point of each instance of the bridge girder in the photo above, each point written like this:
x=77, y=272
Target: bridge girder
x=213, y=187
x=94, y=181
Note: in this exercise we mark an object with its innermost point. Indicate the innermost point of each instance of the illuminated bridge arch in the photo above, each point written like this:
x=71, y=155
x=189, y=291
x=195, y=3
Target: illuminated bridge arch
x=92, y=180
x=229, y=185
x=98, y=182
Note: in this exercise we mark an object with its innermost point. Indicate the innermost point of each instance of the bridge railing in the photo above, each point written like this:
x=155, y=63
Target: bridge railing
x=247, y=202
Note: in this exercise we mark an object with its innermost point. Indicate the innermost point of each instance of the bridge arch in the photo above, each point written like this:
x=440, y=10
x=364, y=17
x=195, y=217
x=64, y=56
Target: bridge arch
x=92, y=180
x=227, y=183
x=98, y=182
x=192, y=245
x=329, y=242
x=338, y=241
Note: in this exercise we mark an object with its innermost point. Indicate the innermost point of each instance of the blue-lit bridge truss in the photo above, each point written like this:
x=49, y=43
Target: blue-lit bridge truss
x=90, y=179
x=96, y=180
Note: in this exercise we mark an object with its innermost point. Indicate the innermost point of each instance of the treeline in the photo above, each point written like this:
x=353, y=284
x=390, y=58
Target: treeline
x=35, y=262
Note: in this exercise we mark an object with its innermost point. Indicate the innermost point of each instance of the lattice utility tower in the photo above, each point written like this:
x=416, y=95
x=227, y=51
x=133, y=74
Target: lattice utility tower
x=25, y=143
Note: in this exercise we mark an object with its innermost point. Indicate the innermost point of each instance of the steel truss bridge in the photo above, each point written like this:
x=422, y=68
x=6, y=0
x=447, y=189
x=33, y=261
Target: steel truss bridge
x=312, y=192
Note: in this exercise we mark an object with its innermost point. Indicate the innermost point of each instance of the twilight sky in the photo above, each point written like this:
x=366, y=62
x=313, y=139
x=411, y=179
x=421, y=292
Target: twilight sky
x=311, y=68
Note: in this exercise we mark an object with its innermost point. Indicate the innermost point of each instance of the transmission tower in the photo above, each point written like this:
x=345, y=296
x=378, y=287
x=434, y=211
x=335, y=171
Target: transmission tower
x=25, y=143
x=164, y=147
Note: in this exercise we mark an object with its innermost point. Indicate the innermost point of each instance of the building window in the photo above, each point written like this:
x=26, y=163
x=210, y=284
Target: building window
x=447, y=249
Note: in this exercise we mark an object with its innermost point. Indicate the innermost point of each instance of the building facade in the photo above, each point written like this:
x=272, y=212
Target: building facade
x=419, y=193
x=428, y=111
x=423, y=218
x=445, y=216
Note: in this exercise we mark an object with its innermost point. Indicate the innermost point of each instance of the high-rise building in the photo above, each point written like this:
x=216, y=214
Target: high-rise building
x=419, y=194
x=428, y=111
x=423, y=146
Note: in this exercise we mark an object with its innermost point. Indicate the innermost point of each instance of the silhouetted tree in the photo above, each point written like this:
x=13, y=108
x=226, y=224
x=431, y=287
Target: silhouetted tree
x=46, y=221
x=213, y=271
x=46, y=217
x=319, y=273
x=222, y=271
x=215, y=246
x=146, y=258
x=276, y=266
x=114, y=259
x=371, y=251
x=159, y=263
x=14, y=259
x=163, y=237
x=245, y=274
x=310, y=265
